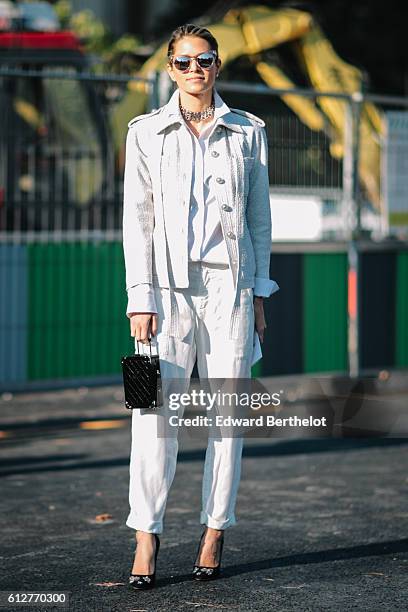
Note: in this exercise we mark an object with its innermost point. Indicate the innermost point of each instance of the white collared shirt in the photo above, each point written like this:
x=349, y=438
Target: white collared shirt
x=205, y=237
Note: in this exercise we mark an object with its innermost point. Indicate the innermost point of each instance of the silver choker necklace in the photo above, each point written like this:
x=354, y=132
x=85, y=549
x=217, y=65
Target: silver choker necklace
x=199, y=115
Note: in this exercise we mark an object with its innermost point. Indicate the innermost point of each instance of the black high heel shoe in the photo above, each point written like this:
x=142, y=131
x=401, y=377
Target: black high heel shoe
x=142, y=582
x=201, y=572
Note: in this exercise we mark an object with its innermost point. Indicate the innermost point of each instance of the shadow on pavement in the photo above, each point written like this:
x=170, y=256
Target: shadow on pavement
x=276, y=448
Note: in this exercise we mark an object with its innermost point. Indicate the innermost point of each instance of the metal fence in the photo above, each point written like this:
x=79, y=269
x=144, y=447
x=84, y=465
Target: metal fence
x=62, y=151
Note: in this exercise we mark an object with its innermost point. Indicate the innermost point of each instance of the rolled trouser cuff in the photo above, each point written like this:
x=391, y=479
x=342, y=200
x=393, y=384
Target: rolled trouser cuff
x=139, y=525
x=206, y=519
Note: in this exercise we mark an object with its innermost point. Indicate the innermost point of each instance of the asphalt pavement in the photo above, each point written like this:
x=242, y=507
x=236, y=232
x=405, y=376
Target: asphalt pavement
x=322, y=522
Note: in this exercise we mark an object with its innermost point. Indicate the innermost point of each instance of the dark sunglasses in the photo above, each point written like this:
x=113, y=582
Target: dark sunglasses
x=204, y=60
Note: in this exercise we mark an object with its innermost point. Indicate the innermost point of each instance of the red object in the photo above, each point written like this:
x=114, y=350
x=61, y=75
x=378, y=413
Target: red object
x=40, y=40
x=352, y=294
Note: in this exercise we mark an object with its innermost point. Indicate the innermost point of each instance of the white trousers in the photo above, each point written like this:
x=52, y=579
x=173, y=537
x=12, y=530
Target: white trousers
x=204, y=311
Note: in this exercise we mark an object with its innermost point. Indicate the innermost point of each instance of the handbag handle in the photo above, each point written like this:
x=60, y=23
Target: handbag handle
x=150, y=347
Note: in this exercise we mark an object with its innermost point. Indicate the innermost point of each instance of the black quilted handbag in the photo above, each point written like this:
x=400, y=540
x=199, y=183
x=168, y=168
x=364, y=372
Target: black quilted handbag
x=142, y=380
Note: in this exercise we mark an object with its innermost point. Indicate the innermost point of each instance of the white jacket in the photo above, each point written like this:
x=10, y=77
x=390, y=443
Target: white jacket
x=157, y=189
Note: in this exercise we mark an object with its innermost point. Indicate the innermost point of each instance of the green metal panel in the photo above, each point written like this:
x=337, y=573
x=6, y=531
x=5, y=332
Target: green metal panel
x=76, y=323
x=324, y=312
x=401, y=315
x=76, y=310
x=256, y=370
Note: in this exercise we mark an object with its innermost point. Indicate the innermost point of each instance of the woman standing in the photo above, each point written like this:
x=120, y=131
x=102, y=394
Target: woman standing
x=197, y=242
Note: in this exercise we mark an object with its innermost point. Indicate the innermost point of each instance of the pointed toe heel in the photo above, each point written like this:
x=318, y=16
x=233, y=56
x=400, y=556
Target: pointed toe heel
x=204, y=573
x=143, y=582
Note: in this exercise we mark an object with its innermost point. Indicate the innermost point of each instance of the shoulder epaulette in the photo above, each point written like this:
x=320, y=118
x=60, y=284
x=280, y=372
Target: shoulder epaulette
x=145, y=116
x=249, y=115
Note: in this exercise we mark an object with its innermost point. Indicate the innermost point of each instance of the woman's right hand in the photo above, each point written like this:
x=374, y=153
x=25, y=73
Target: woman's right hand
x=143, y=325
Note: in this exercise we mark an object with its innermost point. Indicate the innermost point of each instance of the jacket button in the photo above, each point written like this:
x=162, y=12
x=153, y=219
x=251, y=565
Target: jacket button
x=231, y=235
x=215, y=154
x=220, y=180
x=226, y=207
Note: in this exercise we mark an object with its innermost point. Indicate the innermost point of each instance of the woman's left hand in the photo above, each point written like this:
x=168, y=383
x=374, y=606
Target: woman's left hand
x=260, y=324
